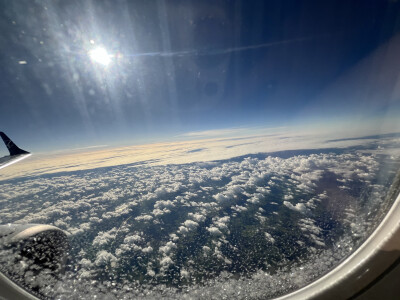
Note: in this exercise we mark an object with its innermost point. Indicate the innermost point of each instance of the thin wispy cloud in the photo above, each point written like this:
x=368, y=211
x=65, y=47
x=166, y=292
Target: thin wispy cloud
x=236, y=131
x=214, y=133
x=210, y=51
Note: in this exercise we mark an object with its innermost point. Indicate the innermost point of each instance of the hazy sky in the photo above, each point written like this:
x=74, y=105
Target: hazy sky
x=174, y=67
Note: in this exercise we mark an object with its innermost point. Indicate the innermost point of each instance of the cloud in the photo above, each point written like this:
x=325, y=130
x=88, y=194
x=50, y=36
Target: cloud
x=197, y=217
x=214, y=231
x=142, y=218
x=103, y=238
x=300, y=207
x=104, y=258
x=269, y=238
x=164, y=204
x=166, y=261
x=169, y=247
x=215, y=132
x=252, y=141
x=190, y=225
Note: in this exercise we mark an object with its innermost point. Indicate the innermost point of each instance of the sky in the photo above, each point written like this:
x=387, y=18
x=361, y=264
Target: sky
x=92, y=73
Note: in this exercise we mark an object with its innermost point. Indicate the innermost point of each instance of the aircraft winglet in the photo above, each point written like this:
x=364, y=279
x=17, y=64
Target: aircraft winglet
x=14, y=149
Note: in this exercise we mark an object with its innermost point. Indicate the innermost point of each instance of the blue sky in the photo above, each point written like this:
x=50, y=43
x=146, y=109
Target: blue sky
x=182, y=66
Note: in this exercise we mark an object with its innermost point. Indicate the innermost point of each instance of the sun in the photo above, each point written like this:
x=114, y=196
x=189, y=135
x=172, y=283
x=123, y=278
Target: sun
x=100, y=55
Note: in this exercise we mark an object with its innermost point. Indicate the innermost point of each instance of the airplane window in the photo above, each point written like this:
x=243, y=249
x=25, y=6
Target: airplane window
x=193, y=149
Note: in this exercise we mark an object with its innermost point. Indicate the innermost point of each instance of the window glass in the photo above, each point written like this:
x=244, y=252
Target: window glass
x=196, y=148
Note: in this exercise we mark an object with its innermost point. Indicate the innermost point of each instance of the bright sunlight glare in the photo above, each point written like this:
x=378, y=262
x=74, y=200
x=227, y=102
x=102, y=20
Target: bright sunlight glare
x=100, y=55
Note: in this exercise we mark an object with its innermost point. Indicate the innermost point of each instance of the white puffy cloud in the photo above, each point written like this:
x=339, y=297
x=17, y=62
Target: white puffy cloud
x=166, y=261
x=214, y=231
x=103, y=258
x=144, y=214
x=300, y=207
x=148, y=249
x=190, y=225
x=164, y=204
x=197, y=217
x=238, y=208
x=144, y=218
x=168, y=247
x=269, y=238
x=104, y=238
x=159, y=212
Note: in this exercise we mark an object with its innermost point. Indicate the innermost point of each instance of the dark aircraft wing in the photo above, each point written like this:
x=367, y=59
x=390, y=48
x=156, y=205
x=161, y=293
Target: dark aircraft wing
x=16, y=153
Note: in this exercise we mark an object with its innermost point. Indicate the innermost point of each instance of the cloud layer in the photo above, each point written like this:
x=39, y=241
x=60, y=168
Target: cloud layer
x=175, y=225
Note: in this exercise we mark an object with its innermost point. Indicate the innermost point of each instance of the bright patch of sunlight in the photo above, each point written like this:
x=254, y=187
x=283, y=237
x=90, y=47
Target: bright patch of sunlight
x=100, y=55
